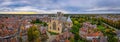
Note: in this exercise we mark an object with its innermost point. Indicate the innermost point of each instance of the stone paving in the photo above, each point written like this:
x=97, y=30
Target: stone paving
x=51, y=37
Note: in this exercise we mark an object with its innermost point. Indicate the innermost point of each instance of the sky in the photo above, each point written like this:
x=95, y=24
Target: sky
x=65, y=6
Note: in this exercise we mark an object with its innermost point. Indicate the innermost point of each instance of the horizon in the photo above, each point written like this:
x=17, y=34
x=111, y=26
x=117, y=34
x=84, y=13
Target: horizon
x=24, y=12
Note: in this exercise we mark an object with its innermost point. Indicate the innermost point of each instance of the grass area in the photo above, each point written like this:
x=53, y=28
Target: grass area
x=53, y=33
x=101, y=27
x=37, y=21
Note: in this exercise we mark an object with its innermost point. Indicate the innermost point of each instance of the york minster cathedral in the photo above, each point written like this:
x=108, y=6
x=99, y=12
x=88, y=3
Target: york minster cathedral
x=59, y=23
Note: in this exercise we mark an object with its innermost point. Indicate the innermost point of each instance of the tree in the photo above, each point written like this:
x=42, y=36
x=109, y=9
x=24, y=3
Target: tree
x=45, y=24
x=75, y=29
x=20, y=39
x=33, y=34
x=44, y=37
x=72, y=40
x=76, y=22
x=111, y=35
x=37, y=21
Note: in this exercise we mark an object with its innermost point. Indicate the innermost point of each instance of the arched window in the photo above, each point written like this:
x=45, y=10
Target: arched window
x=54, y=25
x=69, y=24
x=50, y=27
x=58, y=29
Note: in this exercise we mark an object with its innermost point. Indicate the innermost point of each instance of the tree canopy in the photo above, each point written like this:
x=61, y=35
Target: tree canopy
x=33, y=33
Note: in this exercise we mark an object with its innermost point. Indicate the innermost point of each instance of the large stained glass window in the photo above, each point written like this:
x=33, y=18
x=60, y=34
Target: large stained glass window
x=54, y=25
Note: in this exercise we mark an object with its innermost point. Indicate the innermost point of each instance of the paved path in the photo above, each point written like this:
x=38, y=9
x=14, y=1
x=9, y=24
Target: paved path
x=110, y=26
x=51, y=37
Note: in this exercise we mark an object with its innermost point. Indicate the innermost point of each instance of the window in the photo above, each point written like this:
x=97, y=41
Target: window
x=54, y=25
x=58, y=29
x=50, y=27
x=69, y=24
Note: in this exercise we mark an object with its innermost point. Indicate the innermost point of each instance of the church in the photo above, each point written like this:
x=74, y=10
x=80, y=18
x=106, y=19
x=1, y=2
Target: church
x=59, y=23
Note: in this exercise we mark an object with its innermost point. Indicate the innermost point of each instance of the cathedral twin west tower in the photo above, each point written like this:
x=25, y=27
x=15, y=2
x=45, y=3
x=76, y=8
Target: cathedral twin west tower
x=59, y=23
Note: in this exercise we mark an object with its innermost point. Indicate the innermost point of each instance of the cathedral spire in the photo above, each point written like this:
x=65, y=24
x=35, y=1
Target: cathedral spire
x=69, y=20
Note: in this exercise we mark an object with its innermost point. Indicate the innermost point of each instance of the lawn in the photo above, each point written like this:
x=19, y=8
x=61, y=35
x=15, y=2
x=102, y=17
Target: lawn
x=53, y=33
x=102, y=28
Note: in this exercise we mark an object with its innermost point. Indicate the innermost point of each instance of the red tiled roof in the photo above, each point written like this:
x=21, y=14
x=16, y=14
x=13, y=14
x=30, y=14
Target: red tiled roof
x=67, y=40
x=93, y=34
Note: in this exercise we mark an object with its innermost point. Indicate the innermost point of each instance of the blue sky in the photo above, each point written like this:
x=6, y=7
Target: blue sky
x=65, y=6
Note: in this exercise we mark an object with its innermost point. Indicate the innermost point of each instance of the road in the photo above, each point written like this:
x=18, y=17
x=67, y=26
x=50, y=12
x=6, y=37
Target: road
x=51, y=37
x=110, y=26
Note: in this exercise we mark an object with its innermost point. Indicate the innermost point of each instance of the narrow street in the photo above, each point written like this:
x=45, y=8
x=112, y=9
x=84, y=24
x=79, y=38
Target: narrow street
x=51, y=37
x=110, y=26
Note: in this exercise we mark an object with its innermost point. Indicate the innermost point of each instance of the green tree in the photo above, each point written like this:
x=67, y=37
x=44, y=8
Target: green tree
x=111, y=35
x=76, y=22
x=112, y=39
x=44, y=37
x=72, y=40
x=45, y=24
x=75, y=29
x=33, y=34
x=20, y=39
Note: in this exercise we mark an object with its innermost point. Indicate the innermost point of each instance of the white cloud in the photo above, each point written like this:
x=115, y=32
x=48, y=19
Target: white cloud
x=49, y=6
x=104, y=8
x=33, y=9
x=54, y=11
x=6, y=3
x=26, y=8
x=7, y=0
x=5, y=9
x=81, y=3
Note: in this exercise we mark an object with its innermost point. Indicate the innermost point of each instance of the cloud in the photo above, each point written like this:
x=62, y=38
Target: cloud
x=14, y=4
x=34, y=9
x=69, y=6
x=26, y=8
x=104, y=9
x=5, y=9
x=5, y=3
x=108, y=3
